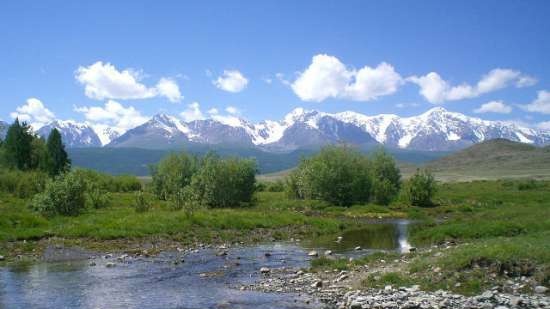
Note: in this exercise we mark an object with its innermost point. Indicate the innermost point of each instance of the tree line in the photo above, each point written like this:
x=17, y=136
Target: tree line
x=23, y=150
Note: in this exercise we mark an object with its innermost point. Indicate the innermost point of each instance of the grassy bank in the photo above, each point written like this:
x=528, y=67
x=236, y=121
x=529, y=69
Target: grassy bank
x=485, y=233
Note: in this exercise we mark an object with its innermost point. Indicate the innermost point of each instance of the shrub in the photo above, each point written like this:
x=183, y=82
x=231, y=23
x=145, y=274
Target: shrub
x=386, y=178
x=22, y=184
x=141, y=202
x=421, y=188
x=98, y=198
x=224, y=182
x=185, y=199
x=109, y=183
x=64, y=195
x=337, y=174
x=173, y=173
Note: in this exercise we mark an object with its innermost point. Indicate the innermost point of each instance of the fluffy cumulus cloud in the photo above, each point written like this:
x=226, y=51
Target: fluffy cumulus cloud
x=104, y=81
x=494, y=107
x=168, y=88
x=192, y=112
x=541, y=104
x=33, y=112
x=437, y=90
x=231, y=81
x=327, y=77
x=114, y=115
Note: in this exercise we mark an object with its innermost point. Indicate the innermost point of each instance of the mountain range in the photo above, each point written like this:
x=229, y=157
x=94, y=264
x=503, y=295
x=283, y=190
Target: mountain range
x=435, y=130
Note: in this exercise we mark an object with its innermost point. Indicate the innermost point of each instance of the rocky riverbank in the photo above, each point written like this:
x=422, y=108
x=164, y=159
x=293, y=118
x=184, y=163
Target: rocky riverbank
x=340, y=289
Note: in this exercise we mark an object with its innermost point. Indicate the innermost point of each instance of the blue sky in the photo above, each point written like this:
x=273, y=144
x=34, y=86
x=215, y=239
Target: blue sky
x=115, y=62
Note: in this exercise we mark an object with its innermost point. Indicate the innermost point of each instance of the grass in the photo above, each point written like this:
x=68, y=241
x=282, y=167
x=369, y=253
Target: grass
x=501, y=227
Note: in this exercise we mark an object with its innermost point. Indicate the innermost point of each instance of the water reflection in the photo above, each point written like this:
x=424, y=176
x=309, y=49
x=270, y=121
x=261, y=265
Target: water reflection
x=386, y=235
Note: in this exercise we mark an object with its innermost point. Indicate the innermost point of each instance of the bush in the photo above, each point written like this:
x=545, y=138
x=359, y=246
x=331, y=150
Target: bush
x=386, y=178
x=22, y=184
x=109, y=183
x=98, y=198
x=224, y=182
x=65, y=195
x=338, y=175
x=173, y=173
x=421, y=188
x=270, y=186
x=185, y=199
x=141, y=202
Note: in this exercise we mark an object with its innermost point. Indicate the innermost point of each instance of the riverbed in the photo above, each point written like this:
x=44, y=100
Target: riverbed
x=204, y=278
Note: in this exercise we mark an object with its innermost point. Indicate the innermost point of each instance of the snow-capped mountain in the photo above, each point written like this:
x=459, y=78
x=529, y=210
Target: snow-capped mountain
x=437, y=130
x=73, y=134
x=161, y=131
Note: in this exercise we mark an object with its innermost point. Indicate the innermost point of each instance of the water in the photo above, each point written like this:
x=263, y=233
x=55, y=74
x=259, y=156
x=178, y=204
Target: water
x=379, y=236
x=204, y=280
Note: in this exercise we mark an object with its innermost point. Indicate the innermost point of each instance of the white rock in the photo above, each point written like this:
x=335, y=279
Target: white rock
x=313, y=253
x=539, y=289
x=265, y=270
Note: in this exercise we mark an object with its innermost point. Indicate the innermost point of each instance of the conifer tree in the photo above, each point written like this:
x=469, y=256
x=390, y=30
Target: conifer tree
x=57, y=156
x=18, y=146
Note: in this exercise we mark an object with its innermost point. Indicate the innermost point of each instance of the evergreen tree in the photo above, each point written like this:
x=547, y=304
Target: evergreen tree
x=18, y=146
x=57, y=156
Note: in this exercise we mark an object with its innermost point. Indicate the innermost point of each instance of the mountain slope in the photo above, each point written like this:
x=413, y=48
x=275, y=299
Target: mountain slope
x=73, y=134
x=495, y=159
x=435, y=130
x=160, y=132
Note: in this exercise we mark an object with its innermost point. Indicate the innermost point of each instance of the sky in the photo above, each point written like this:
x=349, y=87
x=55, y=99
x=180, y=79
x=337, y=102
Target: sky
x=116, y=63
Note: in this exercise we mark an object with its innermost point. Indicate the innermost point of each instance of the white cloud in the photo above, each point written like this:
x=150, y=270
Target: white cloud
x=231, y=81
x=213, y=111
x=327, y=77
x=232, y=110
x=113, y=114
x=437, y=90
x=494, y=107
x=169, y=88
x=192, y=112
x=103, y=81
x=33, y=112
x=541, y=104
x=282, y=79
x=545, y=125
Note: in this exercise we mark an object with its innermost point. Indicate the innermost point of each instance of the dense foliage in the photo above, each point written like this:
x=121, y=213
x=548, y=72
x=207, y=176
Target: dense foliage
x=23, y=150
x=344, y=176
x=386, y=178
x=64, y=195
x=58, y=160
x=210, y=181
x=421, y=188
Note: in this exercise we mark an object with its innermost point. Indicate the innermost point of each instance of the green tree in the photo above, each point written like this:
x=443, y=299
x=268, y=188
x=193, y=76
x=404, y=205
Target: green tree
x=18, y=146
x=172, y=174
x=58, y=160
x=223, y=182
x=421, y=188
x=386, y=178
x=337, y=174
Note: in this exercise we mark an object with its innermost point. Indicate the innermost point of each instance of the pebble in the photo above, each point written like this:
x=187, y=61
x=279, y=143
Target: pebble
x=541, y=289
x=264, y=270
x=2, y=258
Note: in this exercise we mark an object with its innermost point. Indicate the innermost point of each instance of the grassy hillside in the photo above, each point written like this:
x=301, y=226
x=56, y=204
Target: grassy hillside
x=493, y=159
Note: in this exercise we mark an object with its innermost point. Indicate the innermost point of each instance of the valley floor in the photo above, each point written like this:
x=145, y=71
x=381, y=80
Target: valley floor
x=481, y=235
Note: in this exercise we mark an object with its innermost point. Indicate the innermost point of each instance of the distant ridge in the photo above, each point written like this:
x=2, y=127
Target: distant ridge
x=497, y=158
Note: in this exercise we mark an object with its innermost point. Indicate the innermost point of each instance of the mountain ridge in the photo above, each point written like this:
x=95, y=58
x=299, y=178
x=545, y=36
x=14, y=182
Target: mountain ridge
x=436, y=130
